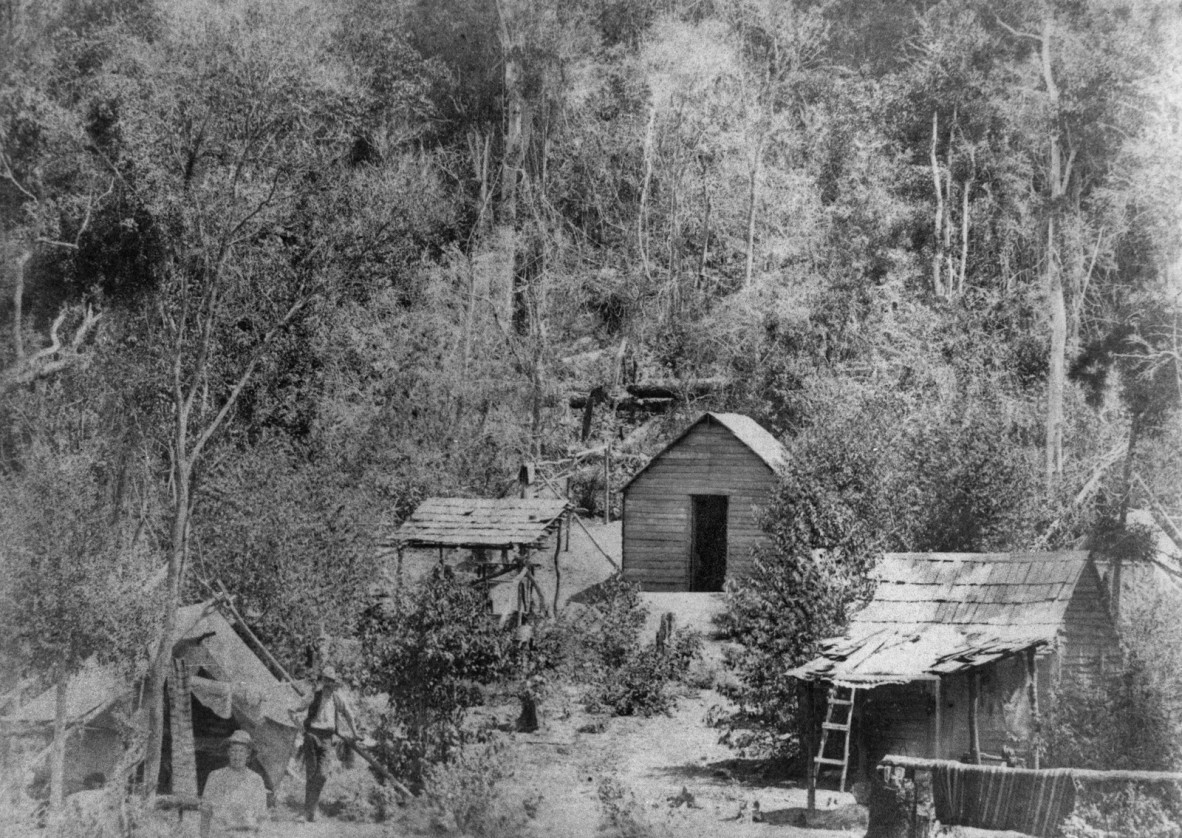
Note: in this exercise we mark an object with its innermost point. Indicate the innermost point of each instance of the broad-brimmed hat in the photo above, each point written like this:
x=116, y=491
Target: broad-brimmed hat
x=329, y=673
x=240, y=737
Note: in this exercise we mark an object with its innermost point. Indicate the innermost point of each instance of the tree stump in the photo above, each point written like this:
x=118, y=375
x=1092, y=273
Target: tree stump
x=892, y=805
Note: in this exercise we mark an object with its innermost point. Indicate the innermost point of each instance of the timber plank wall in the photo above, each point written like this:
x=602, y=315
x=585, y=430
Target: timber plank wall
x=1088, y=639
x=658, y=516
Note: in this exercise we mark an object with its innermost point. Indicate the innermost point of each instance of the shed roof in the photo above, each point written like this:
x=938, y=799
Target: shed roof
x=933, y=614
x=743, y=428
x=480, y=522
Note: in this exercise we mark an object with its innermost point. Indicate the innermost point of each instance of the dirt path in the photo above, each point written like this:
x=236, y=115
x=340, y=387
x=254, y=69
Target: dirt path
x=596, y=776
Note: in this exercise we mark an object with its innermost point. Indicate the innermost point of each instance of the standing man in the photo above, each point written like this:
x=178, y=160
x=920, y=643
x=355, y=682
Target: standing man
x=329, y=719
x=234, y=798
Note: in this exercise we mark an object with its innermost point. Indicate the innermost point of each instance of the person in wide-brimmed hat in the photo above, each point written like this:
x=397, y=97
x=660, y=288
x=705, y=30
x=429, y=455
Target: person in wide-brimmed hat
x=330, y=718
x=235, y=798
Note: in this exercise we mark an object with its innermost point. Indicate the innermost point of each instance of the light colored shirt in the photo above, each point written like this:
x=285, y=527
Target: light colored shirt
x=238, y=800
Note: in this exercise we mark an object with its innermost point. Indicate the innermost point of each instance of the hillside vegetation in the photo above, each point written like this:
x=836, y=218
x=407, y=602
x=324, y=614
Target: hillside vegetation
x=274, y=271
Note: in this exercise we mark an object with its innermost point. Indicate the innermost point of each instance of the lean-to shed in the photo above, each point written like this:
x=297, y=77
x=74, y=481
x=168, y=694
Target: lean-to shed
x=691, y=514
x=955, y=653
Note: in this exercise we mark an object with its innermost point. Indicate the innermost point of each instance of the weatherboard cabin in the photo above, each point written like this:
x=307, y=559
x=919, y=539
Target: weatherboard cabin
x=955, y=655
x=691, y=516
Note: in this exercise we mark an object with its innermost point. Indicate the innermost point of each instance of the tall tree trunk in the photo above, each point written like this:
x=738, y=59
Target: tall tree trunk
x=938, y=218
x=57, y=759
x=964, y=234
x=1123, y=513
x=18, y=297
x=646, y=185
x=1056, y=300
x=752, y=204
x=162, y=661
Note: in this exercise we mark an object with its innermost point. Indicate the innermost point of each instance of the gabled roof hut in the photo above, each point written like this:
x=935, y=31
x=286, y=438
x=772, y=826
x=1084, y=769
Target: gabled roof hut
x=956, y=650
x=691, y=514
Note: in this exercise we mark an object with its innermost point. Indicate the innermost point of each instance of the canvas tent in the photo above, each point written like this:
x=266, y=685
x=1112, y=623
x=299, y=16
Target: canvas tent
x=230, y=687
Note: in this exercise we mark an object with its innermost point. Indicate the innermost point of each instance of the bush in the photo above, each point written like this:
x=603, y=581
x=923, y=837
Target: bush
x=641, y=686
x=599, y=645
x=430, y=649
x=599, y=635
x=1124, y=722
x=1128, y=813
x=468, y=793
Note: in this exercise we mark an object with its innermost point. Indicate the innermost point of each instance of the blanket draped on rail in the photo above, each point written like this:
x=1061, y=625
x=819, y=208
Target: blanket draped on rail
x=994, y=797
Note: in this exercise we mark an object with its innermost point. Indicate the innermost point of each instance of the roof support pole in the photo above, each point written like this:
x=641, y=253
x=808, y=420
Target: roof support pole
x=937, y=718
x=1032, y=695
x=974, y=726
x=804, y=703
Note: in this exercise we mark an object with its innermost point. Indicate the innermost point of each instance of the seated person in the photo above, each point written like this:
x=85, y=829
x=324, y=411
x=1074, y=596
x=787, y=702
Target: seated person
x=234, y=798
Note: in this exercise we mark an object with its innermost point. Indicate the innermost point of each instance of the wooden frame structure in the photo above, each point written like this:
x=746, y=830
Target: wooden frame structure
x=514, y=527
x=944, y=631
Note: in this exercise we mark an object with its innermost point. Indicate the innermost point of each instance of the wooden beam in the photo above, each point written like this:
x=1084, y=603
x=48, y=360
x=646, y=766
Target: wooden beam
x=1084, y=774
x=974, y=726
x=938, y=718
x=810, y=741
x=1032, y=695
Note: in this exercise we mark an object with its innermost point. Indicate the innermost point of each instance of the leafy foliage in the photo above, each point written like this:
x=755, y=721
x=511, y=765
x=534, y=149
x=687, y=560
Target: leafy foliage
x=429, y=649
x=1129, y=812
x=1124, y=722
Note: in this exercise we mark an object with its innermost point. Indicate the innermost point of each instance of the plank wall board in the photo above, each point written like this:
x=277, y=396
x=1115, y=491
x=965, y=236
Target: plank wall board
x=658, y=506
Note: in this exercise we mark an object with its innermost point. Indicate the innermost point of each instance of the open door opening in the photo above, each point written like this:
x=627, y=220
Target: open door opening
x=708, y=549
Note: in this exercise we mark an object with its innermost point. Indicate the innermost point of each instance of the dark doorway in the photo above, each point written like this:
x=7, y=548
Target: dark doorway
x=708, y=550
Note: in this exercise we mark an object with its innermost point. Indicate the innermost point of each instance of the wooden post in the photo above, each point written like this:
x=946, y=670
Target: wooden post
x=938, y=718
x=805, y=698
x=567, y=516
x=1032, y=695
x=607, y=482
x=974, y=727
x=557, y=570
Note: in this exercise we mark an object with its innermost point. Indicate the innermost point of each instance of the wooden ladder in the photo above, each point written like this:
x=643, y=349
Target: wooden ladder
x=839, y=697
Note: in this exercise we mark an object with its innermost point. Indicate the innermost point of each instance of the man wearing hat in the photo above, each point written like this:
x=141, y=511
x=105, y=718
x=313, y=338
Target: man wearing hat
x=235, y=798
x=329, y=717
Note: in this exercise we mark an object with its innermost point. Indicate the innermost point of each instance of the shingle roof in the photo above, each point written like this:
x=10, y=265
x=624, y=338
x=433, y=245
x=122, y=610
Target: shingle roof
x=479, y=522
x=753, y=435
x=937, y=613
x=743, y=428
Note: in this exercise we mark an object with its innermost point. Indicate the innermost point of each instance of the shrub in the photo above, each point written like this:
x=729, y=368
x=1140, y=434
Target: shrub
x=641, y=686
x=599, y=645
x=1129, y=813
x=469, y=792
x=430, y=649
x=1124, y=722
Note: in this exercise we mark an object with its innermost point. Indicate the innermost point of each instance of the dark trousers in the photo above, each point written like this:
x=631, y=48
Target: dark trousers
x=316, y=750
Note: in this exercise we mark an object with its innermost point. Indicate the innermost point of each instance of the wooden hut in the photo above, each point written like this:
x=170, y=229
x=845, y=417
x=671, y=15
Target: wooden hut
x=514, y=527
x=691, y=514
x=955, y=653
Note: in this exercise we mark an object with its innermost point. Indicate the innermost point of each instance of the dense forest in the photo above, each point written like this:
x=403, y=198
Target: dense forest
x=274, y=271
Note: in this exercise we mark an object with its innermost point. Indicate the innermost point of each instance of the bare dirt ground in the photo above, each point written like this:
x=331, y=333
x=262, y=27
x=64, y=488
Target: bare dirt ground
x=591, y=775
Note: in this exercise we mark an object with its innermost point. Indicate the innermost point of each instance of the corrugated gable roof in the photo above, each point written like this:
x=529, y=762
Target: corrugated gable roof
x=937, y=613
x=745, y=429
x=479, y=522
